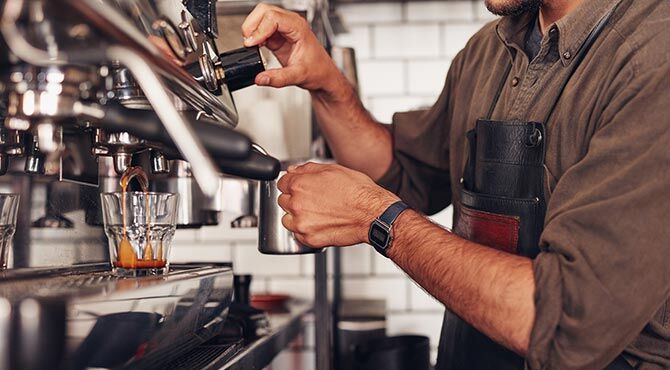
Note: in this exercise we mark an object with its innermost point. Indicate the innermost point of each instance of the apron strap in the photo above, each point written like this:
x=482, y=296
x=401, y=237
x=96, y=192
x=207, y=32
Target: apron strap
x=501, y=86
x=581, y=54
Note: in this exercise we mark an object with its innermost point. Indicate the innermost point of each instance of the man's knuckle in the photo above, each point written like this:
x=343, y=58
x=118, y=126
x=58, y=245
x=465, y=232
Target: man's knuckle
x=297, y=184
x=296, y=205
x=300, y=238
x=301, y=225
x=282, y=184
x=288, y=207
x=282, y=201
x=302, y=23
x=314, y=240
x=289, y=224
x=272, y=15
x=309, y=239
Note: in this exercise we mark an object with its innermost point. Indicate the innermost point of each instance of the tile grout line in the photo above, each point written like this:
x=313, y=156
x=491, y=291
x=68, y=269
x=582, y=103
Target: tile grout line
x=373, y=41
x=401, y=23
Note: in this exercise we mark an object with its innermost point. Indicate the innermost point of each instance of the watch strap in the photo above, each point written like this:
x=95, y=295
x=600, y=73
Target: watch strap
x=392, y=212
x=381, y=229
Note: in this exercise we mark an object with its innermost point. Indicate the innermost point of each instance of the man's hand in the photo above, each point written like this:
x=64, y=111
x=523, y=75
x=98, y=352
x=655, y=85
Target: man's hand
x=356, y=139
x=305, y=62
x=330, y=205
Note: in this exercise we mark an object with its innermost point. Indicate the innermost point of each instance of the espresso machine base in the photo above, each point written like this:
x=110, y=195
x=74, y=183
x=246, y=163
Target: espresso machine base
x=84, y=316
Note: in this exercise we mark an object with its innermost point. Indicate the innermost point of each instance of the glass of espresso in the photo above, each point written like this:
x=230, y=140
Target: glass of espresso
x=140, y=227
x=9, y=207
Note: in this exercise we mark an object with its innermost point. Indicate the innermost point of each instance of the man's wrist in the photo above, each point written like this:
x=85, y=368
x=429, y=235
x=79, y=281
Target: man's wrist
x=336, y=89
x=393, y=250
x=377, y=205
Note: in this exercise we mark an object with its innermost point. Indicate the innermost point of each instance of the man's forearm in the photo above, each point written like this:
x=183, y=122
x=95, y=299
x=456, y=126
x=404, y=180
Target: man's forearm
x=491, y=290
x=356, y=139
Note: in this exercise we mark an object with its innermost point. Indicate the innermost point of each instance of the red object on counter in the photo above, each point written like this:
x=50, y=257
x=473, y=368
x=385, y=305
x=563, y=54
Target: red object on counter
x=270, y=302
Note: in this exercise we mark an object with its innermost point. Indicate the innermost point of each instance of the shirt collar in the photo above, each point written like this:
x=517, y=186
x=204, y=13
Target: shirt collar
x=512, y=30
x=573, y=29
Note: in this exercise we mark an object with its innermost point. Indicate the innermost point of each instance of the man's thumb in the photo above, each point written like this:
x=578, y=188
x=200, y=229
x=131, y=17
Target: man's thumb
x=279, y=77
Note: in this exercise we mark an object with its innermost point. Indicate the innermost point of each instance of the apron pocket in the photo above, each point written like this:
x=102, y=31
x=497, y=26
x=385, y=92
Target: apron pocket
x=509, y=224
x=496, y=231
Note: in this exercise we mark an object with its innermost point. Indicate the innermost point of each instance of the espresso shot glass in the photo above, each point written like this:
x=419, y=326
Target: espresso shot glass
x=140, y=228
x=9, y=207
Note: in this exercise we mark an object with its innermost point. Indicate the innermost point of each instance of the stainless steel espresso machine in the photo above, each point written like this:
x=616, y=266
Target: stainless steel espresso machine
x=88, y=88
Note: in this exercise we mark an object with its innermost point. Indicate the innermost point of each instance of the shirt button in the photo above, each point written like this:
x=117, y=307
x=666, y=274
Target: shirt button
x=567, y=55
x=515, y=81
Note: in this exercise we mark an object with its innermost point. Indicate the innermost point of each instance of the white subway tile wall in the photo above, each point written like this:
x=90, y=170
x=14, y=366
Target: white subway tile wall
x=371, y=14
x=406, y=40
x=359, y=38
x=385, y=107
x=393, y=289
x=457, y=35
x=404, y=51
x=381, y=78
x=426, y=77
x=449, y=11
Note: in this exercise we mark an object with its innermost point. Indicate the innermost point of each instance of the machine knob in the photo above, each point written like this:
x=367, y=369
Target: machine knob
x=159, y=163
x=35, y=159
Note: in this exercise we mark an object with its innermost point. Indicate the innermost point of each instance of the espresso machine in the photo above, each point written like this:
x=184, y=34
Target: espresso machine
x=87, y=89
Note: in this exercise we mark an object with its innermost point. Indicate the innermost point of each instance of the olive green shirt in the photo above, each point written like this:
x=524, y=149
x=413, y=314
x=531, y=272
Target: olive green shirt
x=603, y=274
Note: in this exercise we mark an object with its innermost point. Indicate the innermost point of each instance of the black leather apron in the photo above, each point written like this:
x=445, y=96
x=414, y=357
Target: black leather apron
x=502, y=206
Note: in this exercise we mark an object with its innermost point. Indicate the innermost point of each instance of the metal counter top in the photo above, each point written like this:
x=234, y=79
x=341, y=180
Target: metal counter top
x=284, y=328
x=255, y=354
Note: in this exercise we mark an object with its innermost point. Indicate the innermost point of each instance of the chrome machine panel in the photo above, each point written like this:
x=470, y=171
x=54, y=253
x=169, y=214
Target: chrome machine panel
x=85, y=317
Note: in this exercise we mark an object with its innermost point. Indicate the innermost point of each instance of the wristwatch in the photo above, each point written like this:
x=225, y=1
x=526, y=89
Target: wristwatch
x=381, y=229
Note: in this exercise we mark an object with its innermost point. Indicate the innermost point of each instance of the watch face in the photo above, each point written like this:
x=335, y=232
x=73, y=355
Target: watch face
x=379, y=235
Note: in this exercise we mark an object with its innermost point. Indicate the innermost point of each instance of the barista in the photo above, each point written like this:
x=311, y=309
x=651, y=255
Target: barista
x=551, y=139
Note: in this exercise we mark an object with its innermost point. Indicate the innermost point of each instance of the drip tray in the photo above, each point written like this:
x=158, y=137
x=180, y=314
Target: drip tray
x=85, y=316
x=202, y=356
x=88, y=279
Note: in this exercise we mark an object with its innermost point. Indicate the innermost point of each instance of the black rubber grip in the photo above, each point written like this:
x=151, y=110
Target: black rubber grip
x=257, y=167
x=241, y=66
x=218, y=140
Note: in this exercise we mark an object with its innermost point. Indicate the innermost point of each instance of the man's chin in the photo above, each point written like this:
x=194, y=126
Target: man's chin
x=513, y=7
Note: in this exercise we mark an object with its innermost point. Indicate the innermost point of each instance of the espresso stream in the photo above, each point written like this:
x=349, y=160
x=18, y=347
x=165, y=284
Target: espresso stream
x=126, y=257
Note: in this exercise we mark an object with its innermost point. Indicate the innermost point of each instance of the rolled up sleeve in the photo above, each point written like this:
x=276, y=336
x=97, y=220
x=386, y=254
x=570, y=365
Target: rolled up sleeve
x=603, y=271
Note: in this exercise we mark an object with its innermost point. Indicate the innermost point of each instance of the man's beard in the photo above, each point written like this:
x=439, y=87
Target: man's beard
x=513, y=7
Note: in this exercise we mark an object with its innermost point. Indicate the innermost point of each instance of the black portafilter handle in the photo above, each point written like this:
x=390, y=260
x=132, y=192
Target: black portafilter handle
x=218, y=140
x=241, y=291
x=241, y=66
x=257, y=166
x=232, y=151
